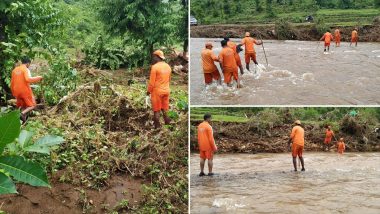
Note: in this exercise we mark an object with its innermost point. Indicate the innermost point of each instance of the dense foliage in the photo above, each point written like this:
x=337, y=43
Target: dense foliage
x=143, y=25
x=26, y=28
x=267, y=11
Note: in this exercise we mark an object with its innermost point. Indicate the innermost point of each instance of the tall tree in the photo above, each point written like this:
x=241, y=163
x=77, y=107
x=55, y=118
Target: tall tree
x=23, y=27
x=145, y=22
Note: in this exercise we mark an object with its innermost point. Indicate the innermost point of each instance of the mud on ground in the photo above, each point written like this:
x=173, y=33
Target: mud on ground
x=112, y=159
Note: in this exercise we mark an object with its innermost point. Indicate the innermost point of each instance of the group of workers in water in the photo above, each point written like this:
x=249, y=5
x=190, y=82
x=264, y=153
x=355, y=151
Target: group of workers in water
x=230, y=62
x=328, y=37
x=207, y=146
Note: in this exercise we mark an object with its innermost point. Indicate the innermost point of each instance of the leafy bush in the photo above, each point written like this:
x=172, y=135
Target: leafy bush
x=59, y=79
x=321, y=27
x=25, y=25
x=12, y=163
x=113, y=54
x=284, y=30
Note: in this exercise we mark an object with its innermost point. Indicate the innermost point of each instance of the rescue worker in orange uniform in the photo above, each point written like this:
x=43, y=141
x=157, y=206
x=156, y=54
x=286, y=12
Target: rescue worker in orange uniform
x=250, y=52
x=328, y=138
x=210, y=70
x=341, y=146
x=206, y=144
x=234, y=47
x=159, y=87
x=327, y=37
x=297, y=136
x=21, y=90
x=354, y=37
x=337, y=37
x=228, y=60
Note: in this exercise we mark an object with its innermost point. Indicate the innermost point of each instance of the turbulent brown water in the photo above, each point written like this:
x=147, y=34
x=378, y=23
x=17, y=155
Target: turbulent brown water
x=299, y=73
x=265, y=183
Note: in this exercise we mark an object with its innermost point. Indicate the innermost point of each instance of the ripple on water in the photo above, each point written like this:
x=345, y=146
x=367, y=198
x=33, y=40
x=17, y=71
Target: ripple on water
x=308, y=77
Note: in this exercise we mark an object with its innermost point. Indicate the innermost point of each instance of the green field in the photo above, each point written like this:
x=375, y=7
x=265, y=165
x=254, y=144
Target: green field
x=246, y=12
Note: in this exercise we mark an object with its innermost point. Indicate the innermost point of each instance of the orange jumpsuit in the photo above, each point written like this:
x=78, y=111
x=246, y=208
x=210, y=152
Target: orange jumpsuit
x=341, y=147
x=329, y=135
x=327, y=37
x=250, y=52
x=354, y=36
x=229, y=60
x=159, y=86
x=234, y=47
x=206, y=141
x=297, y=137
x=337, y=37
x=20, y=86
x=209, y=68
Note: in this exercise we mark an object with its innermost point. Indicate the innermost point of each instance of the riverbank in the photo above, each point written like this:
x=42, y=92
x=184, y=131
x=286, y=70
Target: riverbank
x=256, y=137
x=300, y=31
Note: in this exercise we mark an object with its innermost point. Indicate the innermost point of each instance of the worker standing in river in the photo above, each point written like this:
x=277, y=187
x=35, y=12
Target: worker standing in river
x=354, y=37
x=341, y=146
x=327, y=37
x=234, y=47
x=159, y=87
x=20, y=86
x=337, y=37
x=297, y=138
x=328, y=138
x=228, y=59
x=210, y=70
x=250, y=52
x=206, y=144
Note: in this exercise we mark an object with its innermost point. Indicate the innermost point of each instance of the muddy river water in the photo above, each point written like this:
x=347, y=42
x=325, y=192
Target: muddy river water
x=265, y=183
x=299, y=73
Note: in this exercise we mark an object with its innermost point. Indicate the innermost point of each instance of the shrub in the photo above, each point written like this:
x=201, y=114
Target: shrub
x=284, y=30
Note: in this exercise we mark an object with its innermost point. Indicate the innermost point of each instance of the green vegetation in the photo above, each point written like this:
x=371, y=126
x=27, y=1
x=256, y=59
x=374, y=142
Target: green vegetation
x=13, y=158
x=334, y=13
x=94, y=57
x=319, y=115
x=267, y=129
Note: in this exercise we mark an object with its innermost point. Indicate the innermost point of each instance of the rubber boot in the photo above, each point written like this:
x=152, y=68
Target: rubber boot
x=156, y=122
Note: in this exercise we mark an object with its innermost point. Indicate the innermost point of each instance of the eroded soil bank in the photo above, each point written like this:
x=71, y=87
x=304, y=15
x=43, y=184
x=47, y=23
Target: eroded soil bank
x=369, y=33
x=234, y=137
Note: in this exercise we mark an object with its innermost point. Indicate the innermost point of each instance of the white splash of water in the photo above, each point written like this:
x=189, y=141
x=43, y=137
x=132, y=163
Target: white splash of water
x=308, y=77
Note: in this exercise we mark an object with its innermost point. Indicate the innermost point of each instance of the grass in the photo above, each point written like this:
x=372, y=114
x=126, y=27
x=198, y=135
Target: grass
x=334, y=17
x=221, y=118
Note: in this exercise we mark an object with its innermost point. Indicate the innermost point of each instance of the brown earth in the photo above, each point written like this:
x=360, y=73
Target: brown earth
x=66, y=198
x=369, y=33
x=126, y=147
x=249, y=138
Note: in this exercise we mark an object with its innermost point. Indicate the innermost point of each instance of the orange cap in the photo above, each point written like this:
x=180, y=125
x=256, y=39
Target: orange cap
x=208, y=44
x=247, y=34
x=159, y=53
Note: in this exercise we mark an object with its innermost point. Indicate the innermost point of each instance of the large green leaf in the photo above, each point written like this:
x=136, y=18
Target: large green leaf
x=10, y=128
x=24, y=170
x=24, y=137
x=6, y=184
x=42, y=145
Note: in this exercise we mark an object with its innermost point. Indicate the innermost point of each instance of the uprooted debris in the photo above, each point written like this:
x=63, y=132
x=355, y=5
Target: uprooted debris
x=230, y=138
x=108, y=131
